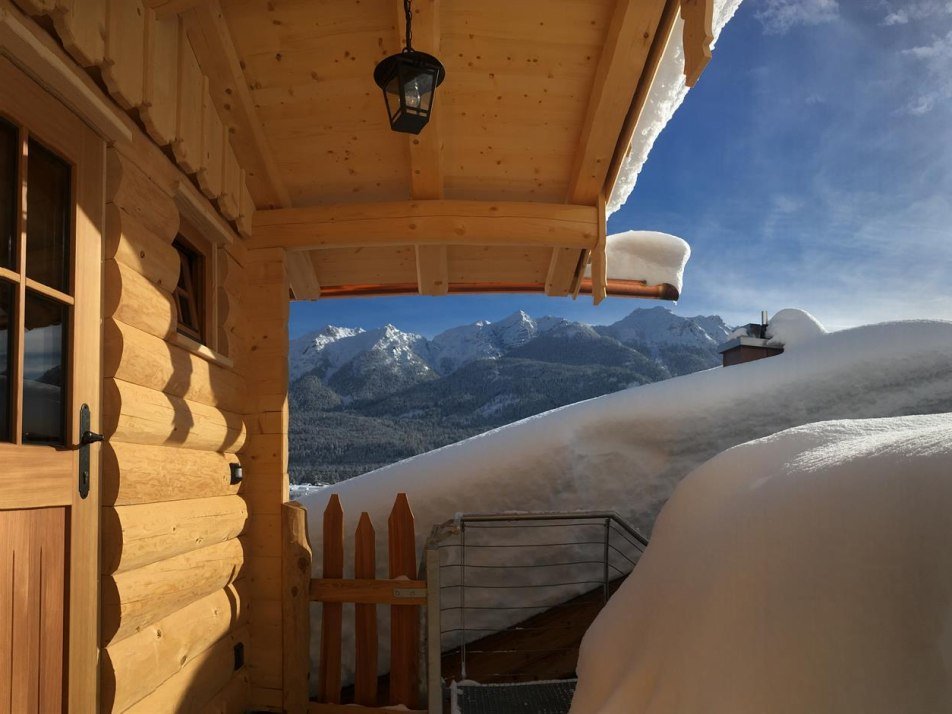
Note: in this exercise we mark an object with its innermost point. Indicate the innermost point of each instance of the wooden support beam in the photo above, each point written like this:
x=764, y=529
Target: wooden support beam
x=698, y=16
x=354, y=225
x=658, y=46
x=620, y=67
x=165, y=9
x=426, y=148
x=564, y=266
x=600, y=257
x=432, y=269
x=211, y=41
x=303, y=276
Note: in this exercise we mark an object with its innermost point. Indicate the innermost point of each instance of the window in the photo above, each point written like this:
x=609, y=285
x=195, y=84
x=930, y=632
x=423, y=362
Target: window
x=36, y=299
x=190, y=293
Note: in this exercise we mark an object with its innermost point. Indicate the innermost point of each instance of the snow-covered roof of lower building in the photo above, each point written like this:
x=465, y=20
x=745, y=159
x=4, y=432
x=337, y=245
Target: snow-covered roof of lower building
x=808, y=571
x=628, y=450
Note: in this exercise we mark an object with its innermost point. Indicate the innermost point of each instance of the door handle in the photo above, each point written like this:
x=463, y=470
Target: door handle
x=86, y=437
x=89, y=437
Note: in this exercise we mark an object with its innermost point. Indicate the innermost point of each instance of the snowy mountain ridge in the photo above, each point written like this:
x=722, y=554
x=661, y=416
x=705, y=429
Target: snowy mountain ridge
x=389, y=348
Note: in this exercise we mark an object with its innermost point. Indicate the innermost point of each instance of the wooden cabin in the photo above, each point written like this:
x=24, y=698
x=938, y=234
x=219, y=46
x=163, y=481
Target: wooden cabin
x=172, y=174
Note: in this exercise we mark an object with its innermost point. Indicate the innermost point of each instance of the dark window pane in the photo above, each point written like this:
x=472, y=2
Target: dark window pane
x=8, y=195
x=190, y=293
x=6, y=356
x=44, y=371
x=47, y=217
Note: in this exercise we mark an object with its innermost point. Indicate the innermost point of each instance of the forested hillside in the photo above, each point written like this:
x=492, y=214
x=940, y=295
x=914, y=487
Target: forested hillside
x=363, y=399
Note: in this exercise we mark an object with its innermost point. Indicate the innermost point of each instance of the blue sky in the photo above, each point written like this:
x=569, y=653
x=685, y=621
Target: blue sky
x=810, y=167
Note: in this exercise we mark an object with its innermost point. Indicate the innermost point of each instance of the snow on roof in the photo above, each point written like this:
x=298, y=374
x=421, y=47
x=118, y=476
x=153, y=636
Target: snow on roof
x=628, y=450
x=651, y=256
x=667, y=92
x=789, y=328
x=805, y=572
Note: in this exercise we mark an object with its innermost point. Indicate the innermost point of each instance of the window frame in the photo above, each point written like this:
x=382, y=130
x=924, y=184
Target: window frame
x=23, y=286
x=196, y=292
x=205, y=342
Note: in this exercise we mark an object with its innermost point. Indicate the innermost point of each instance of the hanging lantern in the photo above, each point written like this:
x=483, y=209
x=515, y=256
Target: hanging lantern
x=409, y=81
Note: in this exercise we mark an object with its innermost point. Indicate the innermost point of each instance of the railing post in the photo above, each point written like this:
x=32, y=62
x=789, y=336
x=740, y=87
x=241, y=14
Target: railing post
x=434, y=681
x=295, y=606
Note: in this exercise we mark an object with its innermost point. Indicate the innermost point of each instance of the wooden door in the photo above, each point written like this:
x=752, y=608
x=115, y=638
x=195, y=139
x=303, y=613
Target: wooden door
x=51, y=208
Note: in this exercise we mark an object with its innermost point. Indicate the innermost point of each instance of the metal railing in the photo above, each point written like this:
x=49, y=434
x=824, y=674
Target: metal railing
x=512, y=589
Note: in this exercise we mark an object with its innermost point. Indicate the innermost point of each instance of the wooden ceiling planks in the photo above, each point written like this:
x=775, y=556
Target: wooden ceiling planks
x=533, y=109
x=309, y=65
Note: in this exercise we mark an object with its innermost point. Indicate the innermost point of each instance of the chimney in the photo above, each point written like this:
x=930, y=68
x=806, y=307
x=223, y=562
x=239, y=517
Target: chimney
x=749, y=343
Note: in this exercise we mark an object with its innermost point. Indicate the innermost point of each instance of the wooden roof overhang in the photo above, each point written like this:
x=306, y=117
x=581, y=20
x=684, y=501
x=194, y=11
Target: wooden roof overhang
x=504, y=190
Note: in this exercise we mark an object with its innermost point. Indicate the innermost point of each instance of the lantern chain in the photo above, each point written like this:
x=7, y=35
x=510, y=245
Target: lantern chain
x=409, y=13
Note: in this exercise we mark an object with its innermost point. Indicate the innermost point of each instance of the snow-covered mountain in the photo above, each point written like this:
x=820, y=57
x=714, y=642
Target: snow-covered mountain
x=658, y=327
x=411, y=358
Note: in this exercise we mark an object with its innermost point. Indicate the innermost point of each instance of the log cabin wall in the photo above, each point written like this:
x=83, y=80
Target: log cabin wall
x=190, y=608
x=175, y=588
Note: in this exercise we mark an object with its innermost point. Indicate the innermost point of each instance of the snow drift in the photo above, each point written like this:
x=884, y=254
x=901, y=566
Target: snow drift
x=809, y=571
x=627, y=451
x=651, y=256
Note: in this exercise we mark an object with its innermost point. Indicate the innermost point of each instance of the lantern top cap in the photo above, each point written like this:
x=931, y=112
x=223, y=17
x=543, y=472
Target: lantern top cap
x=384, y=69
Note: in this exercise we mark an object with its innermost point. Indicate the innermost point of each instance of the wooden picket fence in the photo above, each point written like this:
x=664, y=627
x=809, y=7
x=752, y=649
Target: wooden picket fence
x=402, y=591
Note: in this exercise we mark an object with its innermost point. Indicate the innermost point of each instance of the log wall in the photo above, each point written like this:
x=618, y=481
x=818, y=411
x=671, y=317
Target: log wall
x=176, y=555
x=191, y=566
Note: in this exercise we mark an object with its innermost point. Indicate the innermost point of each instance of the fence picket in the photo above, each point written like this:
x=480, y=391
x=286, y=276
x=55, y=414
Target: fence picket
x=404, y=624
x=365, y=616
x=332, y=613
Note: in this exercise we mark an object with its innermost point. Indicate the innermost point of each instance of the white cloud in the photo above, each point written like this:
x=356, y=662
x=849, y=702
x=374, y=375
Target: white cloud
x=936, y=61
x=900, y=17
x=920, y=10
x=779, y=16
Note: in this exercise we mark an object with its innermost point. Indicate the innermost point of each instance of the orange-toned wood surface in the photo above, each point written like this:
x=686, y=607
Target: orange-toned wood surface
x=332, y=613
x=366, y=592
x=365, y=616
x=32, y=609
x=404, y=619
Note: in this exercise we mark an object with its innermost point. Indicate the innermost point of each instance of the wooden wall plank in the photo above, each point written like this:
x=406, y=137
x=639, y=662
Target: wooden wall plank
x=232, y=181
x=138, y=665
x=197, y=682
x=123, y=60
x=139, y=415
x=159, y=110
x=137, y=598
x=82, y=29
x=134, y=536
x=213, y=145
x=187, y=146
x=135, y=473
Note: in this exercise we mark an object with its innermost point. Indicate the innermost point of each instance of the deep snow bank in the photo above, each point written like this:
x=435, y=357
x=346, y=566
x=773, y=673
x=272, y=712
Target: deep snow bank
x=627, y=451
x=809, y=571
